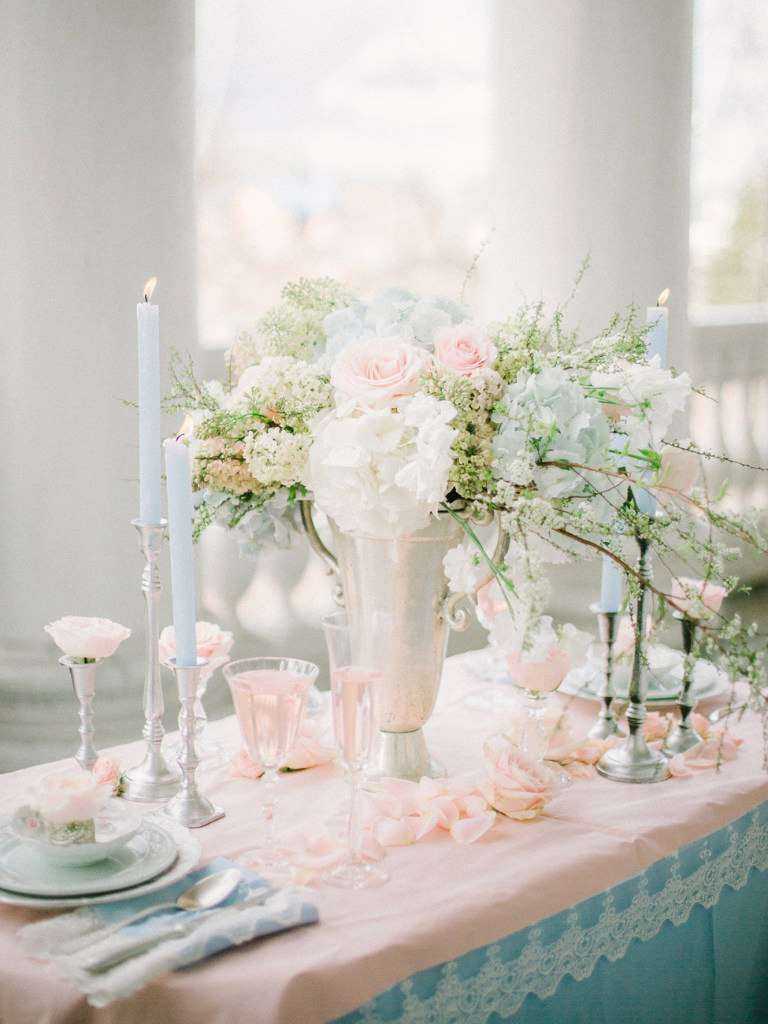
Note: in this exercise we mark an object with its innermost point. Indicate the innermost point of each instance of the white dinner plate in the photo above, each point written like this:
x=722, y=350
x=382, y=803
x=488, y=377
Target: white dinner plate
x=25, y=870
x=188, y=855
x=665, y=672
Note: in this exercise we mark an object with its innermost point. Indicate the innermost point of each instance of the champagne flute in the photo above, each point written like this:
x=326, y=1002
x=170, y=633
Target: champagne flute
x=270, y=696
x=353, y=705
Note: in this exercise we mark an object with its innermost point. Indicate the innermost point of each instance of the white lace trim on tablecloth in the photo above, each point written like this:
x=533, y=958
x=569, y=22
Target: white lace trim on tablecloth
x=500, y=985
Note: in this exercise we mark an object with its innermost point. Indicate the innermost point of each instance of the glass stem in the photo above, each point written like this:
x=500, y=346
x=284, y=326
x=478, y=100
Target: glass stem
x=269, y=806
x=353, y=826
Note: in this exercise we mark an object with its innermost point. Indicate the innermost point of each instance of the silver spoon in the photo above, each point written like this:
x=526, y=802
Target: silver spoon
x=208, y=892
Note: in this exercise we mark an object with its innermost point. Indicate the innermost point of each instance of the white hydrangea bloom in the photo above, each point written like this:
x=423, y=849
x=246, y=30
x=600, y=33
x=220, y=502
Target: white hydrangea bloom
x=277, y=457
x=464, y=569
x=382, y=472
x=647, y=396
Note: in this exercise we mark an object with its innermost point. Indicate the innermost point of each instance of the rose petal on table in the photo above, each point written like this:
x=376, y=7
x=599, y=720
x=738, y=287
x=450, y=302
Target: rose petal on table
x=394, y=832
x=370, y=847
x=423, y=824
x=445, y=811
x=469, y=830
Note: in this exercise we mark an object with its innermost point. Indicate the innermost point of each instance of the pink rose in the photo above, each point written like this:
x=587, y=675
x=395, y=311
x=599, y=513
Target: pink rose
x=69, y=796
x=517, y=785
x=376, y=373
x=464, y=349
x=544, y=676
x=696, y=598
x=82, y=637
x=679, y=470
x=107, y=772
x=213, y=644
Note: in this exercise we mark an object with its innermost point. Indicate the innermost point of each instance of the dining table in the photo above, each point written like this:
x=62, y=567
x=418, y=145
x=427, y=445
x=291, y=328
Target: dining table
x=619, y=903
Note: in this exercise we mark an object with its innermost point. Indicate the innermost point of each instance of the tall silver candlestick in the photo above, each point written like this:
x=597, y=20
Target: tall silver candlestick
x=682, y=736
x=83, y=676
x=634, y=761
x=152, y=779
x=607, y=627
x=189, y=806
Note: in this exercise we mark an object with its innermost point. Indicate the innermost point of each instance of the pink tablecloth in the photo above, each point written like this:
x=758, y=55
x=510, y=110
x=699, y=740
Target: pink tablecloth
x=442, y=900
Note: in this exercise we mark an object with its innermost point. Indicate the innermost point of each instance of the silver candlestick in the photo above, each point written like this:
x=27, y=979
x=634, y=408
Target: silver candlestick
x=152, y=779
x=683, y=736
x=189, y=806
x=607, y=628
x=634, y=761
x=84, y=684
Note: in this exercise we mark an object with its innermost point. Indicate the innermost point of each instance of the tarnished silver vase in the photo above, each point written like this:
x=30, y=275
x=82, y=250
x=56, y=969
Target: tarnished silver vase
x=396, y=597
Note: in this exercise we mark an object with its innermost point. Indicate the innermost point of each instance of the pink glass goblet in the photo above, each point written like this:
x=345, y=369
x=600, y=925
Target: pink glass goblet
x=270, y=697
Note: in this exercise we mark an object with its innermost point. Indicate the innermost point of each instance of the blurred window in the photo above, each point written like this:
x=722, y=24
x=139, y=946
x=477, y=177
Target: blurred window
x=339, y=138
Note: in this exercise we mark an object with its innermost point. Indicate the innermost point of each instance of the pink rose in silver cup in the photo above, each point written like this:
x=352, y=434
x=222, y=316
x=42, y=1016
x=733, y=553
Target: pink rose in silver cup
x=697, y=598
x=213, y=644
x=464, y=349
x=376, y=373
x=81, y=637
x=517, y=785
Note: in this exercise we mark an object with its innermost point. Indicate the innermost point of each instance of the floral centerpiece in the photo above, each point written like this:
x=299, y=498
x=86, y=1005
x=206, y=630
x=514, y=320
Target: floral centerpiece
x=390, y=412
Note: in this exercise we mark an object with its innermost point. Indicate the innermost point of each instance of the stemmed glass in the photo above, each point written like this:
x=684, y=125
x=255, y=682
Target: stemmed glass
x=353, y=705
x=270, y=697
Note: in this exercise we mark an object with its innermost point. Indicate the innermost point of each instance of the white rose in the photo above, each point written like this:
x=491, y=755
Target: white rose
x=81, y=637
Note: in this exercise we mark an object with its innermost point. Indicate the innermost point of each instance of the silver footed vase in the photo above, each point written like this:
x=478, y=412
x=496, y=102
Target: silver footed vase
x=396, y=597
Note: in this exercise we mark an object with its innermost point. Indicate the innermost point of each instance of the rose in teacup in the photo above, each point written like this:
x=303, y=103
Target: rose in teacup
x=376, y=373
x=698, y=599
x=213, y=644
x=464, y=349
x=69, y=796
x=517, y=785
x=87, y=638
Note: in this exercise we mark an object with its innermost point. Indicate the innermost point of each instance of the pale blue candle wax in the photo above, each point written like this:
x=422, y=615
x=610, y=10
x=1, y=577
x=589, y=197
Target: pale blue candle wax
x=180, y=516
x=657, y=340
x=148, y=317
x=611, y=586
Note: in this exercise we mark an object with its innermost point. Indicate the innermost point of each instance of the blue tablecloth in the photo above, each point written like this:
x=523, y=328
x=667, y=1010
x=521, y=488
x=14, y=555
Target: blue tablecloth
x=686, y=940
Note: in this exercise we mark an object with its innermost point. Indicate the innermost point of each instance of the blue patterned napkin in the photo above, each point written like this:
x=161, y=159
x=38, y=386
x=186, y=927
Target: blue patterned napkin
x=70, y=940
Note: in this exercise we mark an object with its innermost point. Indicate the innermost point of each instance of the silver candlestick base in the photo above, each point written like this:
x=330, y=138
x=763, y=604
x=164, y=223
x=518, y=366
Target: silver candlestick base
x=607, y=628
x=189, y=806
x=682, y=736
x=84, y=684
x=152, y=779
x=634, y=761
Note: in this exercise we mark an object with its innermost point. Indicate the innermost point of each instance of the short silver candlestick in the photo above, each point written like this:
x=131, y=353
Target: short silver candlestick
x=682, y=736
x=189, y=806
x=152, y=779
x=607, y=628
x=634, y=761
x=84, y=684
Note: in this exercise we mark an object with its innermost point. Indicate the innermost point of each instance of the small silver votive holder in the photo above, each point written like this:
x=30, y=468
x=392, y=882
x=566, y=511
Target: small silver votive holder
x=151, y=779
x=189, y=807
x=634, y=760
x=682, y=736
x=607, y=628
x=83, y=676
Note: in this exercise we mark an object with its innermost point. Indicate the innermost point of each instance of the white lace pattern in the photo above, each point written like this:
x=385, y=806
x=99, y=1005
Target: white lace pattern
x=501, y=984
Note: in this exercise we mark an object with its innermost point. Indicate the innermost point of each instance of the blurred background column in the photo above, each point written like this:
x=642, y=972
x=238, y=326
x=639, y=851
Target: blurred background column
x=592, y=155
x=96, y=195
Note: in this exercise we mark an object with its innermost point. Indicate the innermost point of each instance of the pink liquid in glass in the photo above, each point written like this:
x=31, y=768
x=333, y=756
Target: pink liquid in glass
x=269, y=706
x=353, y=705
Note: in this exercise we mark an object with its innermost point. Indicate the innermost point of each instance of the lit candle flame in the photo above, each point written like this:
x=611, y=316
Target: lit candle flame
x=662, y=299
x=186, y=429
x=149, y=287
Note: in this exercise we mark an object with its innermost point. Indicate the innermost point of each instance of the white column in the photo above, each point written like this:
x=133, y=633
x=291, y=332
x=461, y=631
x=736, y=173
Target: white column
x=592, y=154
x=96, y=195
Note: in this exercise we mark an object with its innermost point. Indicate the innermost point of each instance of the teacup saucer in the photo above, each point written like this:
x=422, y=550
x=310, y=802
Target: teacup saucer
x=23, y=869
